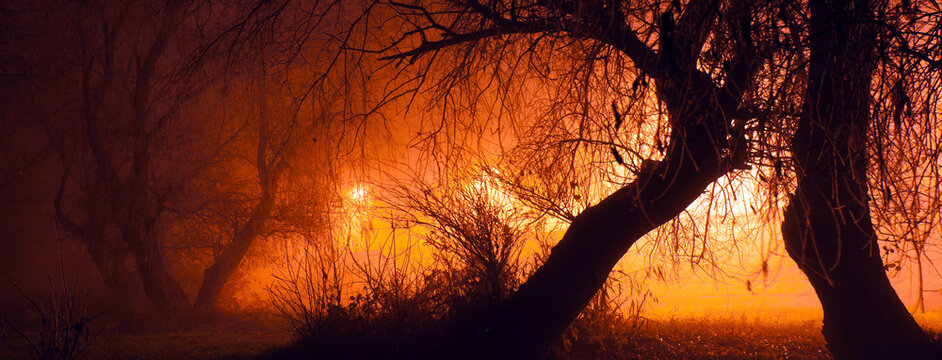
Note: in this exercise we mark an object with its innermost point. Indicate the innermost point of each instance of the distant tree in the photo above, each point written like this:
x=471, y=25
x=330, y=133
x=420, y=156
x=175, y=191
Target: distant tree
x=124, y=116
x=277, y=137
x=126, y=128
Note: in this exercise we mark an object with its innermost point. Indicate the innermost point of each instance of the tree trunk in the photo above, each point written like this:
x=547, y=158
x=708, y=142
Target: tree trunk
x=109, y=255
x=138, y=224
x=160, y=287
x=827, y=228
x=598, y=237
x=269, y=171
x=215, y=277
x=107, y=251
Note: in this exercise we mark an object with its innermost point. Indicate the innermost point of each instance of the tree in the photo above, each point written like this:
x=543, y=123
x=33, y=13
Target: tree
x=905, y=174
x=128, y=133
x=281, y=78
x=121, y=141
x=706, y=134
x=273, y=150
x=727, y=75
x=828, y=228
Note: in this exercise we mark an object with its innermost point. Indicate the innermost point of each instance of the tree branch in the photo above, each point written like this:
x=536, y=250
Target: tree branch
x=434, y=45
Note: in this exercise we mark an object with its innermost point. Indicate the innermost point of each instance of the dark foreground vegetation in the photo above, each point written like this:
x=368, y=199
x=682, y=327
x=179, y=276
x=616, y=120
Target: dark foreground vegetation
x=587, y=339
x=677, y=339
x=691, y=338
x=461, y=178
x=596, y=334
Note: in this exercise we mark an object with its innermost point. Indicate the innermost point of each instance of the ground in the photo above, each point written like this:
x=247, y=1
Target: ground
x=729, y=339
x=197, y=345
x=703, y=338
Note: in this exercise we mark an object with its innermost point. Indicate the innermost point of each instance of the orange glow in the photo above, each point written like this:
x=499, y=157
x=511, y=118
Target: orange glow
x=754, y=279
x=358, y=195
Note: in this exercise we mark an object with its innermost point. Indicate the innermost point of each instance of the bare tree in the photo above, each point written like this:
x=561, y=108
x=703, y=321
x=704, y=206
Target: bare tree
x=705, y=140
x=828, y=228
x=274, y=148
x=128, y=149
x=726, y=77
x=905, y=173
x=122, y=140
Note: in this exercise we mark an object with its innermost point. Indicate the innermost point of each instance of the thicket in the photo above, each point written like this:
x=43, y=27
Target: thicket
x=431, y=289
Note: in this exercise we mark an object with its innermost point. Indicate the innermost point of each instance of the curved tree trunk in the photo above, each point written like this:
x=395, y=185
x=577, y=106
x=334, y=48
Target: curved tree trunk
x=598, y=237
x=705, y=144
x=269, y=171
x=215, y=277
x=828, y=229
x=137, y=207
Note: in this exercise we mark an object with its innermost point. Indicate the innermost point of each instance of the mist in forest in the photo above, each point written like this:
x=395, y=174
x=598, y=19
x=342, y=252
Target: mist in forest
x=461, y=179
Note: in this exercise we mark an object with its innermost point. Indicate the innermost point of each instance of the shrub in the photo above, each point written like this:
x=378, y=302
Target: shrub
x=63, y=331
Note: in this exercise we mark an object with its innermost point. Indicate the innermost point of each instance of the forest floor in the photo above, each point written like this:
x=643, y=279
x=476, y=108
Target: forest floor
x=727, y=339
x=190, y=345
x=665, y=339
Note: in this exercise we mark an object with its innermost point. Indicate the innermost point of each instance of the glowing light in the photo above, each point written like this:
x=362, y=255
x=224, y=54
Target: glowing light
x=491, y=187
x=358, y=195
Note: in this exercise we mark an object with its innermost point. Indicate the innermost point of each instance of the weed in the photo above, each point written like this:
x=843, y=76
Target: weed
x=63, y=331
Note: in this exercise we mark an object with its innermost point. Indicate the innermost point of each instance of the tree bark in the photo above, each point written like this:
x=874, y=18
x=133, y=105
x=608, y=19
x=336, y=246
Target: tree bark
x=828, y=229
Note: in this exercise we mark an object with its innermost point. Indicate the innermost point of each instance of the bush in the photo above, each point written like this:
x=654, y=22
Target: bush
x=63, y=331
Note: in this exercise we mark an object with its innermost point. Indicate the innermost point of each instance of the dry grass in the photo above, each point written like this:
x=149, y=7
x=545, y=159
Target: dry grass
x=705, y=338
x=171, y=346
x=679, y=339
x=728, y=339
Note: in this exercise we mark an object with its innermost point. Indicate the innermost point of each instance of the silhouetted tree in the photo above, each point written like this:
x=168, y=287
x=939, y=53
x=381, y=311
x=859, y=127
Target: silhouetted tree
x=706, y=137
x=904, y=169
x=728, y=76
x=126, y=130
x=828, y=228
x=276, y=142
x=122, y=119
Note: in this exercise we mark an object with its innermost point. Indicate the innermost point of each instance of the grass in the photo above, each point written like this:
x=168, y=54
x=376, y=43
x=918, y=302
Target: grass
x=195, y=345
x=685, y=338
x=688, y=339
x=728, y=339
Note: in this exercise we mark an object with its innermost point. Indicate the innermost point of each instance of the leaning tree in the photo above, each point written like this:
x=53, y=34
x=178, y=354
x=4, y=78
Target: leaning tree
x=698, y=98
x=703, y=89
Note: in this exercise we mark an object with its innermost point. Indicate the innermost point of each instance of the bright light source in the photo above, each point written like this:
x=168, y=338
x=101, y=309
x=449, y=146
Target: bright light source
x=358, y=195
